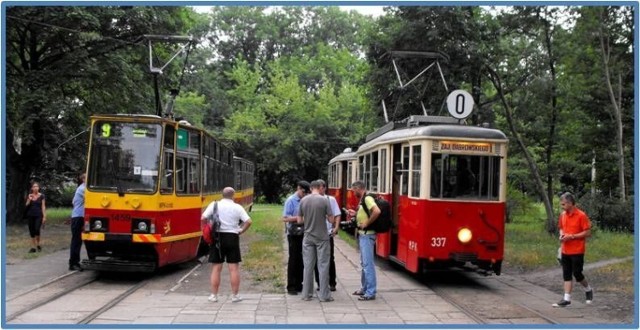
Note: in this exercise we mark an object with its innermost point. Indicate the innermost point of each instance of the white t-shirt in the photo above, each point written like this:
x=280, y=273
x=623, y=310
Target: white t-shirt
x=231, y=215
x=336, y=212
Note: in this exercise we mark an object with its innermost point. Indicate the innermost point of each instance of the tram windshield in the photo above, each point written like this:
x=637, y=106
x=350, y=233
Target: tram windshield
x=465, y=177
x=124, y=157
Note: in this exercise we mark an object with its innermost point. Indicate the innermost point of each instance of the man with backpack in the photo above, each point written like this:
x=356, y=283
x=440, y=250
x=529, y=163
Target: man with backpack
x=366, y=240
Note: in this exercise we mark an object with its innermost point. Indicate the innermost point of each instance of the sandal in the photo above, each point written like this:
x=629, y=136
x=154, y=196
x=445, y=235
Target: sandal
x=358, y=293
x=365, y=298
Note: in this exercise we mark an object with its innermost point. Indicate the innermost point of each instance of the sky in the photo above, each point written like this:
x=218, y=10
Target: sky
x=374, y=11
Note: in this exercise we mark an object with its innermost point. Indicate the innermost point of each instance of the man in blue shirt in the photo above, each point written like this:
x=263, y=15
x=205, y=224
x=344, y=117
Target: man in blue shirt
x=295, y=266
x=77, y=222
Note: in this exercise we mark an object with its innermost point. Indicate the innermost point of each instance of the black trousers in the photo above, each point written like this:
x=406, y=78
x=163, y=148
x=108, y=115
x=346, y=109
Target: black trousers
x=332, y=268
x=76, y=240
x=295, y=267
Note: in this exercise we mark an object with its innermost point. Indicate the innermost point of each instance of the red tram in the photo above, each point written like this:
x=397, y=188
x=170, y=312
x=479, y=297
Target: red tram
x=446, y=183
x=342, y=171
x=148, y=182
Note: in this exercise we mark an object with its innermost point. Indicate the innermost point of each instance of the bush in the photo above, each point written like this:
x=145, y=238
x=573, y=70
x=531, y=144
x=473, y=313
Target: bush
x=518, y=203
x=609, y=213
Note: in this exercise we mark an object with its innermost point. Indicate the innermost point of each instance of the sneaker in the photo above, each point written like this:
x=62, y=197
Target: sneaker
x=562, y=303
x=332, y=288
x=75, y=267
x=589, y=295
x=213, y=298
x=32, y=250
x=236, y=298
x=39, y=248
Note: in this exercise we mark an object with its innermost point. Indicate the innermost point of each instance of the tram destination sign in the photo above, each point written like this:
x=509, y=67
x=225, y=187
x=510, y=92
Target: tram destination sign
x=467, y=147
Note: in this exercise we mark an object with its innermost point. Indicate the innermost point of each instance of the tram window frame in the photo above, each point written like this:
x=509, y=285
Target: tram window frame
x=404, y=173
x=481, y=175
x=416, y=170
x=167, y=177
x=350, y=166
x=189, y=155
x=375, y=171
x=383, y=170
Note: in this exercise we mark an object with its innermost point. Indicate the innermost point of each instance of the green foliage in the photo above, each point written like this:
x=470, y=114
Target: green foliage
x=528, y=245
x=518, y=203
x=609, y=213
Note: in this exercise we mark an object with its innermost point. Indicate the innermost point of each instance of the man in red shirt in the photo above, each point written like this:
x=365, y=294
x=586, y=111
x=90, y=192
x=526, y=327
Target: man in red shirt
x=574, y=227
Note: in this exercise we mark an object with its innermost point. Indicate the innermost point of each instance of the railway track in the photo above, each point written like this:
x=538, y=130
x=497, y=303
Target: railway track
x=57, y=301
x=487, y=304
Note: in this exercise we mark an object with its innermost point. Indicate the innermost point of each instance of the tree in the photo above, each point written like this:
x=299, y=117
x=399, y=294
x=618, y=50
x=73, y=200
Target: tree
x=63, y=64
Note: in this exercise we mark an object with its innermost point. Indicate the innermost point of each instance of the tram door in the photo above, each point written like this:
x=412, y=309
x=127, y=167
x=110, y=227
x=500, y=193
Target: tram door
x=344, y=187
x=396, y=169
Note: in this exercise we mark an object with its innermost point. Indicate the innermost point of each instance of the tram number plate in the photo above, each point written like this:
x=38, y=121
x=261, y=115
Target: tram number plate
x=121, y=217
x=438, y=241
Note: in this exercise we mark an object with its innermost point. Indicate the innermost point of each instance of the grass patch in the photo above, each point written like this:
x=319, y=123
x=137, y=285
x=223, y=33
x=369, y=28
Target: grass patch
x=348, y=238
x=619, y=278
x=528, y=246
x=264, y=260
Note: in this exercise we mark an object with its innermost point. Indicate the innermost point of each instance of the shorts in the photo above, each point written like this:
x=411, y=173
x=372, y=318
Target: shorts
x=227, y=248
x=572, y=265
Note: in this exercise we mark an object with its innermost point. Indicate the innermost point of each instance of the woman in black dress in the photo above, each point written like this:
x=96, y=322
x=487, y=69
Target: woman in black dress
x=36, y=215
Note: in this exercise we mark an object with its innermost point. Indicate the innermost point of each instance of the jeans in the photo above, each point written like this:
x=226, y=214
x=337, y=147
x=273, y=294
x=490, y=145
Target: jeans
x=367, y=261
x=76, y=240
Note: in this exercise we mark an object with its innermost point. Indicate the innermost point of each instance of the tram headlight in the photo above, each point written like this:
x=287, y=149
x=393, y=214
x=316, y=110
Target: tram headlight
x=98, y=224
x=464, y=235
x=140, y=225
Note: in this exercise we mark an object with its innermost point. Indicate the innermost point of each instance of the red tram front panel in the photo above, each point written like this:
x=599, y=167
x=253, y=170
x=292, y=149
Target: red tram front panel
x=428, y=231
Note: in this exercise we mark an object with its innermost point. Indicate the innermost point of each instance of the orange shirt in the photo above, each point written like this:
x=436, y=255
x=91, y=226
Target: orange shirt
x=571, y=224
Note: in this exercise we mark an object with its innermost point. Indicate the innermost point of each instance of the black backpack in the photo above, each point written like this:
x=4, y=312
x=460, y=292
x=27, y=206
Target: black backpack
x=383, y=222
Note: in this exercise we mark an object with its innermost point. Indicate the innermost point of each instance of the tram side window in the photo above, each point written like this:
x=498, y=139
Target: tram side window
x=349, y=175
x=374, y=171
x=465, y=177
x=405, y=171
x=166, y=181
x=383, y=170
x=181, y=183
x=415, y=171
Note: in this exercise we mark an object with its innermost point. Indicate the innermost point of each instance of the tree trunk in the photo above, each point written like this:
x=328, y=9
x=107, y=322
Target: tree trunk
x=554, y=113
x=617, y=115
x=18, y=175
x=533, y=167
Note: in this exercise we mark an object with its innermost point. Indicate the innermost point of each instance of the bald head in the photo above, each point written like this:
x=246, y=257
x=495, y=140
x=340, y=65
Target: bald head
x=228, y=192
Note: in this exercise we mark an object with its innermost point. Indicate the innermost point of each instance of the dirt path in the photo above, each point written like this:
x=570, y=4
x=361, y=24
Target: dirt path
x=614, y=292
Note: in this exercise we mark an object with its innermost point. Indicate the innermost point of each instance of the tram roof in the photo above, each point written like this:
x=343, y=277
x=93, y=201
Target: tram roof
x=343, y=156
x=435, y=131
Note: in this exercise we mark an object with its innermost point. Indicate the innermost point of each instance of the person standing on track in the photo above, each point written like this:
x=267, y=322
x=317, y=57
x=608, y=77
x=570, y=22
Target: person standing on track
x=234, y=221
x=574, y=228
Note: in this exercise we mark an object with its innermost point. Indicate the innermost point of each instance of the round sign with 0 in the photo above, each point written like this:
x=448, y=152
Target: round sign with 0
x=460, y=104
